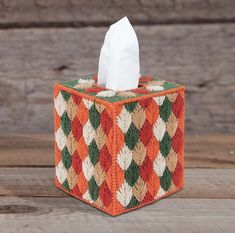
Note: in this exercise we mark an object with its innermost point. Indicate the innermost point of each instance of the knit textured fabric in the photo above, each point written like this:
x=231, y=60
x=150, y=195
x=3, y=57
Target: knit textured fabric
x=119, y=151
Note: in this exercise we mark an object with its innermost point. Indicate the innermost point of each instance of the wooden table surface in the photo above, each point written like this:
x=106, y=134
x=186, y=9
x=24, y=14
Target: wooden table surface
x=29, y=201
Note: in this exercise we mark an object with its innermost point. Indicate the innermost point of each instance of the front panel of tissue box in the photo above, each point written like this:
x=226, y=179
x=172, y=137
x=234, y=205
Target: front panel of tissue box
x=83, y=157
x=149, y=149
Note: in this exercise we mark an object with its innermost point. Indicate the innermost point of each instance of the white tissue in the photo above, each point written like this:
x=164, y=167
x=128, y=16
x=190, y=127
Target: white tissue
x=119, y=66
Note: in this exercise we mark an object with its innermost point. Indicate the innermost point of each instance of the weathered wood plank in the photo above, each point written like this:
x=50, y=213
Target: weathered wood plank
x=38, y=182
x=37, y=150
x=68, y=215
x=200, y=56
x=26, y=150
x=79, y=13
x=216, y=151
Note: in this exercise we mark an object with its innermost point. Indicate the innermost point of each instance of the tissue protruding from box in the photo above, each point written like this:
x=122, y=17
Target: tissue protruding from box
x=119, y=66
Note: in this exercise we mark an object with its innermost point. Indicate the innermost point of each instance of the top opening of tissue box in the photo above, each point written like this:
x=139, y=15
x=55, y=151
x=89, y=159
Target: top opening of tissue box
x=147, y=87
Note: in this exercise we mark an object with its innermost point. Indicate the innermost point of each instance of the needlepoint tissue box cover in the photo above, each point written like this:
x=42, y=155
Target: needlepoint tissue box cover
x=119, y=150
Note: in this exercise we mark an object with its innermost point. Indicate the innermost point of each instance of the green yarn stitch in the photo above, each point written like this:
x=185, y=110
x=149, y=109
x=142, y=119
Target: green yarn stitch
x=65, y=95
x=165, y=179
x=168, y=85
x=65, y=123
x=70, y=84
x=133, y=203
x=66, y=158
x=65, y=185
x=130, y=106
x=112, y=98
x=94, y=116
x=132, y=173
x=93, y=188
x=93, y=152
x=165, y=109
x=132, y=136
x=165, y=144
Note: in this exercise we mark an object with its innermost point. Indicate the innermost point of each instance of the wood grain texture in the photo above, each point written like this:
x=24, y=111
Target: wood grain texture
x=81, y=12
x=39, y=182
x=26, y=150
x=202, y=57
x=67, y=215
x=216, y=151
x=29, y=201
x=60, y=40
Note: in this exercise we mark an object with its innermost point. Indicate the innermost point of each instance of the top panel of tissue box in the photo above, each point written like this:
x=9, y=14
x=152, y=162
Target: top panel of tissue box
x=147, y=86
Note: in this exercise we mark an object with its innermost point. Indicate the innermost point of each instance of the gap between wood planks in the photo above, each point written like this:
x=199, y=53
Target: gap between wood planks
x=67, y=13
x=97, y=24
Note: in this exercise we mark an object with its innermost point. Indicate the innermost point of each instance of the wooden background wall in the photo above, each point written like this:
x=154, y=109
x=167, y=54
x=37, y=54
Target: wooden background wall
x=44, y=41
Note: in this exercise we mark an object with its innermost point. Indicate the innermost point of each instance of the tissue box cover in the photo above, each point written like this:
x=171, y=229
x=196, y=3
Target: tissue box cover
x=119, y=151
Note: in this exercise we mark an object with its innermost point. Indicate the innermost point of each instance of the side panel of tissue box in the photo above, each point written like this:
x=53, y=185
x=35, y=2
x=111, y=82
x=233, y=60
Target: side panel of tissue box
x=84, y=149
x=119, y=156
x=150, y=150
